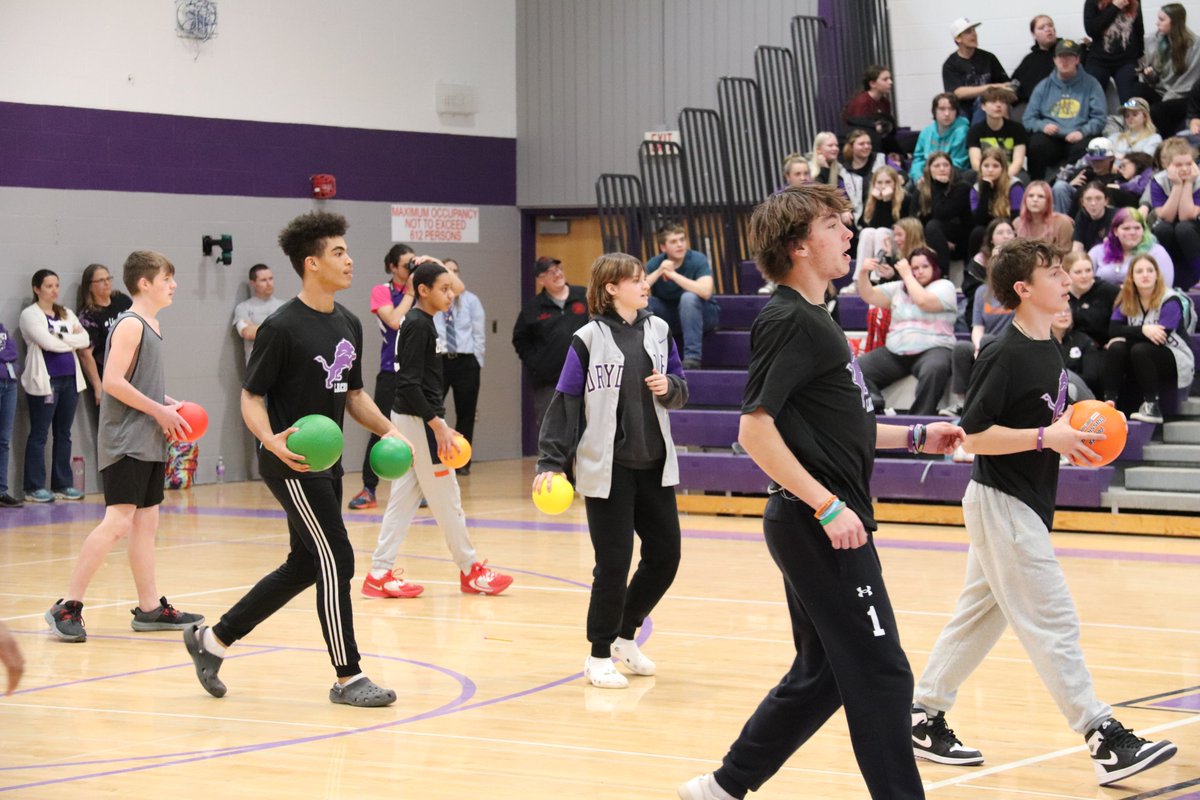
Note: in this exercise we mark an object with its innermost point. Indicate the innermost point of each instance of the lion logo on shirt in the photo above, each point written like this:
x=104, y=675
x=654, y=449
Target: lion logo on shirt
x=861, y=382
x=343, y=359
x=1058, y=404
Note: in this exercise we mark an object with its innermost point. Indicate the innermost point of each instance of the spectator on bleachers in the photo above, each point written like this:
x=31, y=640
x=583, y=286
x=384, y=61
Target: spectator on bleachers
x=1128, y=238
x=1039, y=220
x=681, y=291
x=1138, y=134
x=796, y=171
x=975, y=272
x=1149, y=339
x=1039, y=61
x=1118, y=41
x=996, y=195
x=824, y=166
x=1136, y=170
x=1096, y=165
x=871, y=109
x=1083, y=360
x=989, y=318
x=1091, y=300
x=920, y=338
x=997, y=130
x=1173, y=69
x=1193, y=111
x=944, y=207
x=1175, y=198
x=1094, y=218
x=886, y=205
x=908, y=235
x=969, y=71
x=859, y=162
x=947, y=134
x=1065, y=111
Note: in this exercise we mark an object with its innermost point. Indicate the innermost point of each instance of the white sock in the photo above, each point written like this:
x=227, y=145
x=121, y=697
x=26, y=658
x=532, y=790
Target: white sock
x=211, y=644
x=353, y=679
x=380, y=573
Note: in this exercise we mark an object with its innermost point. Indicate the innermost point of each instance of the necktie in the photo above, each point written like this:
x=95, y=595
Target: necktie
x=451, y=335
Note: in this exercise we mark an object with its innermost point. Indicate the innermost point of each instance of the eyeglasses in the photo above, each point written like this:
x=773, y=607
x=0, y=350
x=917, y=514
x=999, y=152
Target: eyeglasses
x=102, y=280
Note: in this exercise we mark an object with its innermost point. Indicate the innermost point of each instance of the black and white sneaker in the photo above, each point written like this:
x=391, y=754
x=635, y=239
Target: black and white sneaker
x=933, y=741
x=1118, y=752
x=1149, y=411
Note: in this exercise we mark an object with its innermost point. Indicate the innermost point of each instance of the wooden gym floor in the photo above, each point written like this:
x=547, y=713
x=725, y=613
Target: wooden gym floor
x=491, y=699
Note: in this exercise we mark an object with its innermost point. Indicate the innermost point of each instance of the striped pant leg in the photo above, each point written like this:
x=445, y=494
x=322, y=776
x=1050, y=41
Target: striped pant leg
x=320, y=553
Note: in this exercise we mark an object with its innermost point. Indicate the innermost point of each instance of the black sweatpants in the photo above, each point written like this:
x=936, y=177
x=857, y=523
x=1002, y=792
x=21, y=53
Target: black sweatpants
x=385, y=396
x=848, y=655
x=881, y=368
x=1153, y=366
x=320, y=553
x=460, y=372
x=637, y=502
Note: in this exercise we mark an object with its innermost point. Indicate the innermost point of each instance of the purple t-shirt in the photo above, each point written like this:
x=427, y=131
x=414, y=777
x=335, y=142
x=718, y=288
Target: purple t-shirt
x=1158, y=195
x=59, y=364
x=8, y=355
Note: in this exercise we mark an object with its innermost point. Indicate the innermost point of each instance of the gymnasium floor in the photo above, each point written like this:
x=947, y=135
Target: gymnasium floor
x=491, y=699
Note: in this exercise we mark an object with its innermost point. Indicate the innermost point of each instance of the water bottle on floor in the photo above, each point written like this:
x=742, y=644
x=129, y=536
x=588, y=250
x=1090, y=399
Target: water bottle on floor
x=220, y=469
x=78, y=472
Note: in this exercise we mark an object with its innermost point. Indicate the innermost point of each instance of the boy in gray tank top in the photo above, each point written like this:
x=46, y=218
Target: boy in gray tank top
x=136, y=416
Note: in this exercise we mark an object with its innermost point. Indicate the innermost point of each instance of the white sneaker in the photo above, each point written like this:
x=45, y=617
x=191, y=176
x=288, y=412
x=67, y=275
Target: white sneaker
x=602, y=673
x=703, y=787
x=626, y=650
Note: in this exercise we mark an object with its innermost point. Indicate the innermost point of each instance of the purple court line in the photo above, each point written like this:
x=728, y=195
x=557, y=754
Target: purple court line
x=1188, y=702
x=459, y=704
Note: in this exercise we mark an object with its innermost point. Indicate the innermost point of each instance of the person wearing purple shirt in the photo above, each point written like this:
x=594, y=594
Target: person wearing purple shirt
x=1128, y=238
x=53, y=379
x=1175, y=198
x=1147, y=338
x=8, y=411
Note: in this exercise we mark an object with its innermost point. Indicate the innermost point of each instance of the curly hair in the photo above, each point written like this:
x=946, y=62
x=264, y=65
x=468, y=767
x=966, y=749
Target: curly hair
x=785, y=219
x=305, y=236
x=1014, y=264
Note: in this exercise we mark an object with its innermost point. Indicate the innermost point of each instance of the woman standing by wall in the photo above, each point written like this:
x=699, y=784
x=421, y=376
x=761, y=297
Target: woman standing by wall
x=52, y=380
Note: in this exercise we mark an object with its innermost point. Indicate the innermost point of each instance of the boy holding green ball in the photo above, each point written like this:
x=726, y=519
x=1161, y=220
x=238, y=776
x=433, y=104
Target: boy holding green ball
x=305, y=361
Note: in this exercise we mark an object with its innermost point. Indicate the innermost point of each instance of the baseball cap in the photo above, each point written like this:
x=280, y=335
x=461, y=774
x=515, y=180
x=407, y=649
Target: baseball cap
x=961, y=26
x=543, y=264
x=1066, y=47
x=1136, y=104
x=1099, y=148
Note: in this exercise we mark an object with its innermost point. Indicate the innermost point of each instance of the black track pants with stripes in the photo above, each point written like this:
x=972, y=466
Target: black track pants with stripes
x=320, y=553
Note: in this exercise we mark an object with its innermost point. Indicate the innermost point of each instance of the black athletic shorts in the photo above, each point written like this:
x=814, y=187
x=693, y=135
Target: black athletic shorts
x=130, y=482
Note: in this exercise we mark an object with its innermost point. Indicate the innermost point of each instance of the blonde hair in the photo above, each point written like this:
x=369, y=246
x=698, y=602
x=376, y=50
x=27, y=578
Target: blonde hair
x=897, y=193
x=814, y=168
x=914, y=234
x=1001, y=205
x=1175, y=146
x=608, y=268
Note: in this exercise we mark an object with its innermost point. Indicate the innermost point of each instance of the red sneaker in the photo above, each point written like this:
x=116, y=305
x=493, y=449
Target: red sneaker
x=481, y=580
x=390, y=585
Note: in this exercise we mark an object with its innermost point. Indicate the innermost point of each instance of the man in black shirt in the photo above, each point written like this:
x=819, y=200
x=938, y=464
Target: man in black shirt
x=306, y=360
x=543, y=331
x=969, y=70
x=1038, y=63
x=808, y=422
x=1017, y=423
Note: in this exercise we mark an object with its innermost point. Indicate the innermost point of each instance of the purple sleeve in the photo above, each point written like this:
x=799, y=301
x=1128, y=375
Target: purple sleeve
x=974, y=198
x=1157, y=195
x=1117, y=316
x=1015, y=195
x=674, y=365
x=1170, y=314
x=571, y=379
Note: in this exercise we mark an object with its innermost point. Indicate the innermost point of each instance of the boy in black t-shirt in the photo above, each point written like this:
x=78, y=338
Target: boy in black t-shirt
x=306, y=360
x=997, y=130
x=1017, y=423
x=808, y=422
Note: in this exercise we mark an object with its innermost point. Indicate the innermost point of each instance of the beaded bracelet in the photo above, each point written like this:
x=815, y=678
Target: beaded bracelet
x=832, y=513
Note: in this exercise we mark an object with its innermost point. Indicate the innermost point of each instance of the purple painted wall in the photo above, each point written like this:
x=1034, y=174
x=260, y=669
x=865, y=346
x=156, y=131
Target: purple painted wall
x=57, y=147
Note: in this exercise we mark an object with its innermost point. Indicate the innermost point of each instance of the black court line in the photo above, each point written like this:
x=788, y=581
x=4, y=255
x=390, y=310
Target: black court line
x=1185, y=690
x=1164, y=790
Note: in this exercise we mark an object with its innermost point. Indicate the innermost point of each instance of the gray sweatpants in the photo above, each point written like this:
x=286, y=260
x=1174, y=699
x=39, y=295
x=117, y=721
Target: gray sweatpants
x=1013, y=578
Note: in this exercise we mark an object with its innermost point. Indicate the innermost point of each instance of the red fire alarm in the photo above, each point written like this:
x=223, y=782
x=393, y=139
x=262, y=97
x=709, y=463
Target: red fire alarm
x=324, y=186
